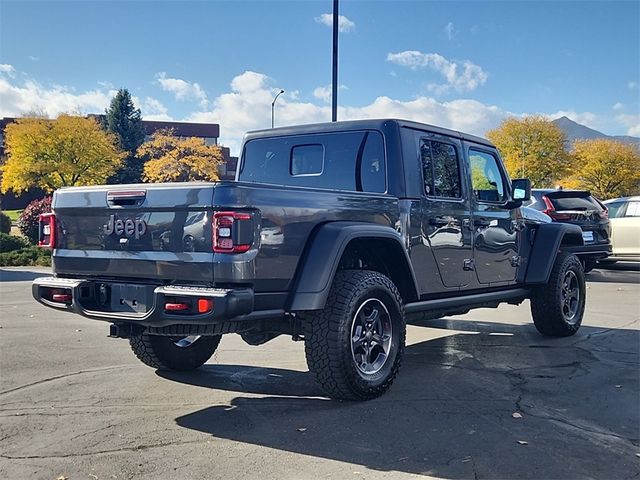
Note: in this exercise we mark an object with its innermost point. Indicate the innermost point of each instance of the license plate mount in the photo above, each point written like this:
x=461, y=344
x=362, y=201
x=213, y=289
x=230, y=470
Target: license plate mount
x=130, y=298
x=587, y=236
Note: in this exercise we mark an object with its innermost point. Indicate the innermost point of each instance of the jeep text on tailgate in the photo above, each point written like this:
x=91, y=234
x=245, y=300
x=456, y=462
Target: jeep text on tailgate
x=331, y=233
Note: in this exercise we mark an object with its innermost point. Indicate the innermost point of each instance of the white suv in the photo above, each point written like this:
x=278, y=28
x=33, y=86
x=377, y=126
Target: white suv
x=624, y=215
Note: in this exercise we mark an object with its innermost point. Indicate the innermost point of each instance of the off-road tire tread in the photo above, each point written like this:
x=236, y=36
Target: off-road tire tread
x=145, y=347
x=323, y=330
x=545, y=308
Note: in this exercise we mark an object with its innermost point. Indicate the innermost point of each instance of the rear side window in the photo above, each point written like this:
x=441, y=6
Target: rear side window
x=633, y=209
x=486, y=178
x=440, y=169
x=343, y=160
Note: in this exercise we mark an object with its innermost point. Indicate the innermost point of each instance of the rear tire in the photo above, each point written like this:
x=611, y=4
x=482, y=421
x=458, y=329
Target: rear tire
x=558, y=307
x=174, y=353
x=355, y=345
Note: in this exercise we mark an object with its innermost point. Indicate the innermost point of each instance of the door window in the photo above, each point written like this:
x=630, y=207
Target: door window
x=486, y=179
x=440, y=169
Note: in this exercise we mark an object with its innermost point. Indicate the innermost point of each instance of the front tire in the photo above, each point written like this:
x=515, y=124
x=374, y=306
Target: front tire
x=354, y=346
x=558, y=307
x=174, y=353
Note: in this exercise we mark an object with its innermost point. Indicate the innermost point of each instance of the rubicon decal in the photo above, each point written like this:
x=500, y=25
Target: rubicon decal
x=130, y=228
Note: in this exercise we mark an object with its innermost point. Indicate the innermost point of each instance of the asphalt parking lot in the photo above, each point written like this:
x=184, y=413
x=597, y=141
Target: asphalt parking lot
x=76, y=404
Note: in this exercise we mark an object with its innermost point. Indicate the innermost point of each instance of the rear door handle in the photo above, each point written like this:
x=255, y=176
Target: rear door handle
x=130, y=197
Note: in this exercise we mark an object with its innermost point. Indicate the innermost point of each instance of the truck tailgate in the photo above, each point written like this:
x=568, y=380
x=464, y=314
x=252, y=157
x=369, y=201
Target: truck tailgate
x=147, y=232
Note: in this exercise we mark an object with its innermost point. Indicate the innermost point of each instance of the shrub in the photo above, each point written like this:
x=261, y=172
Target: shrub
x=30, y=216
x=30, y=256
x=5, y=223
x=9, y=243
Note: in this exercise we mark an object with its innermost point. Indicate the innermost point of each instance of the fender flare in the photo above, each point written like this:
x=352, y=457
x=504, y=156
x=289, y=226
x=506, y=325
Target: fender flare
x=547, y=242
x=319, y=264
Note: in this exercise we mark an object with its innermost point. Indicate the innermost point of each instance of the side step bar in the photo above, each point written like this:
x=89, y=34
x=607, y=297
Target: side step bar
x=514, y=295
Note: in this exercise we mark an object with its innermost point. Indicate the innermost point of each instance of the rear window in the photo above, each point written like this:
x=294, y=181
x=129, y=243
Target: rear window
x=575, y=203
x=343, y=160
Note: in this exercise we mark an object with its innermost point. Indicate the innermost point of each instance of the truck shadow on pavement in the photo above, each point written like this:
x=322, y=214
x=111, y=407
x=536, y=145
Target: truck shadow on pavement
x=21, y=275
x=614, y=275
x=450, y=412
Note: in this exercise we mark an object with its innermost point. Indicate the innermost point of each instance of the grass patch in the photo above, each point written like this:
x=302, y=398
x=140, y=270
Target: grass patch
x=12, y=214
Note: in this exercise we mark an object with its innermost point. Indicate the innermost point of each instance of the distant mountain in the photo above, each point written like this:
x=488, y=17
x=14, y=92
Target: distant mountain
x=575, y=131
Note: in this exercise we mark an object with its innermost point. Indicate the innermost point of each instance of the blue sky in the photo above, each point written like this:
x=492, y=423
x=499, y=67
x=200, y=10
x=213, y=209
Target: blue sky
x=465, y=65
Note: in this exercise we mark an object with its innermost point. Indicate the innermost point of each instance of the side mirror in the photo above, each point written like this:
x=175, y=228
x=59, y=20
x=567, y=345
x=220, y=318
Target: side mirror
x=521, y=189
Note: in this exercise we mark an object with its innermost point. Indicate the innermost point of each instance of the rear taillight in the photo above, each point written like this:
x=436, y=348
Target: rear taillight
x=232, y=232
x=604, y=214
x=551, y=211
x=47, y=230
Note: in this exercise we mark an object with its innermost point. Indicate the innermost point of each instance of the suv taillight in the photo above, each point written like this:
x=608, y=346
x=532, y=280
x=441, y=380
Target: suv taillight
x=47, y=230
x=604, y=214
x=551, y=210
x=232, y=232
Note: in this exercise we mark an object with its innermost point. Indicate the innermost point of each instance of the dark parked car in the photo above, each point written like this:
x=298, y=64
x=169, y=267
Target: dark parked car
x=580, y=208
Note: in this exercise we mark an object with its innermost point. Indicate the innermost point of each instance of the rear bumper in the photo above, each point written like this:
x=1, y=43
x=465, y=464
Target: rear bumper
x=79, y=297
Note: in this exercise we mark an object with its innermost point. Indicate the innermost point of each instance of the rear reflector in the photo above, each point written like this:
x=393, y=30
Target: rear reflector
x=61, y=297
x=205, y=305
x=176, y=307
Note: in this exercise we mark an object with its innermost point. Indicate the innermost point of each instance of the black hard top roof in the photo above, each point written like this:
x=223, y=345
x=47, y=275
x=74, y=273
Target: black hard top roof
x=371, y=124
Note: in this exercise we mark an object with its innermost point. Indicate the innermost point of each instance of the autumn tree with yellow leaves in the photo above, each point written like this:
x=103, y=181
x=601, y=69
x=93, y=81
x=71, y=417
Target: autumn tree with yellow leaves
x=50, y=154
x=608, y=168
x=175, y=159
x=532, y=147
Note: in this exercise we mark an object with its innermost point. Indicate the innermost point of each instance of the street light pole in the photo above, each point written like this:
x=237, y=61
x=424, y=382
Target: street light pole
x=273, y=106
x=334, y=82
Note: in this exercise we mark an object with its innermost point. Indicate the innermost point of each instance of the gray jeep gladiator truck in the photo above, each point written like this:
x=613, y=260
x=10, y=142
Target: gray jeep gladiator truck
x=331, y=233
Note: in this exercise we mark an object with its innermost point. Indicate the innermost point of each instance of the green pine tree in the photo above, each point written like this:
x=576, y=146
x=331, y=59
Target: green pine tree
x=123, y=119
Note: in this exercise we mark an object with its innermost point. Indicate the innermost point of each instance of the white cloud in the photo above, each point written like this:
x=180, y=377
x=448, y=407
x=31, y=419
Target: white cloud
x=461, y=77
x=248, y=107
x=18, y=98
x=182, y=89
x=152, y=109
x=618, y=106
x=7, y=69
x=632, y=85
x=33, y=58
x=249, y=82
x=344, y=24
x=450, y=30
x=30, y=96
x=631, y=123
x=324, y=93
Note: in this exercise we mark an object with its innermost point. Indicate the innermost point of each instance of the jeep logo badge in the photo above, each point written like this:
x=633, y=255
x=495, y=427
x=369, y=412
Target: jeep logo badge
x=130, y=228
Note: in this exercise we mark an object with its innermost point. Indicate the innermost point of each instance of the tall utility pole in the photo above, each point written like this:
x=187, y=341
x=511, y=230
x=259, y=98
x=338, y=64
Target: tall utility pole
x=334, y=83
